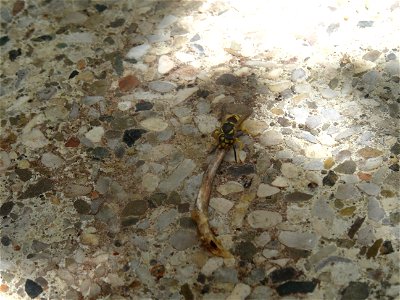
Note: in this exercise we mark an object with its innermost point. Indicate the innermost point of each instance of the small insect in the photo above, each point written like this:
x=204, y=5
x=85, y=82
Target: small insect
x=227, y=134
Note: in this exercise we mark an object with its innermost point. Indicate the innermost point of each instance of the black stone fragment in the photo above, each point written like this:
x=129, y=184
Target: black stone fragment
x=355, y=227
x=43, y=38
x=227, y=80
x=13, y=54
x=129, y=221
x=386, y=248
x=173, y=198
x=4, y=40
x=284, y=274
x=73, y=74
x=32, y=288
x=355, y=291
x=394, y=167
x=81, y=206
x=5, y=241
x=240, y=170
x=6, y=208
x=186, y=292
x=132, y=135
x=117, y=64
x=294, y=287
x=144, y=106
x=100, y=7
x=202, y=93
x=201, y=278
x=187, y=222
x=330, y=179
x=42, y=186
x=117, y=23
x=157, y=199
x=246, y=250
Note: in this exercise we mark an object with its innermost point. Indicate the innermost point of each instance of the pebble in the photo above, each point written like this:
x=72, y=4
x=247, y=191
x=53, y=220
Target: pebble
x=211, y=265
x=32, y=288
x=246, y=250
x=167, y=21
x=81, y=206
x=356, y=290
x=261, y=292
x=298, y=75
x=278, y=87
x=369, y=188
x=226, y=275
x=227, y=80
x=135, y=208
x=299, y=114
x=230, y=187
x=150, y=182
x=162, y=86
x=263, y=219
x=166, y=218
x=313, y=122
x=271, y=138
x=375, y=212
x=328, y=93
x=183, y=94
x=154, y=124
x=280, y=182
x=183, y=239
x=240, y=292
x=298, y=240
x=296, y=287
x=266, y=190
x=221, y=205
x=262, y=239
x=34, y=139
x=371, y=164
x=298, y=197
x=206, y=123
x=165, y=64
x=95, y=134
x=6, y=208
x=254, y=127
x=173, y=181
x=128, y=83
x=330, y=179
x=51, y=160
x=138, y=51
x=347, y=167
x=347, y=191
x=41, y=186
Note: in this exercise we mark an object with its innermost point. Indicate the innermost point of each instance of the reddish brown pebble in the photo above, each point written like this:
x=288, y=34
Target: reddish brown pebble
x=72, y=142
x=364, y=176
x=18, y=6
x=128, y=83
x=3, y=288
x=17, y=247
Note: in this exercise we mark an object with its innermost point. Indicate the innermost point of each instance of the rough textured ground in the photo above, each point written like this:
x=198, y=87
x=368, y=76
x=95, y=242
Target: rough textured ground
x=106, y=113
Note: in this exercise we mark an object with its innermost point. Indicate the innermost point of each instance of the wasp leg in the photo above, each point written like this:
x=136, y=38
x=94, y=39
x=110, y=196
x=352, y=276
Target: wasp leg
x=234, y=152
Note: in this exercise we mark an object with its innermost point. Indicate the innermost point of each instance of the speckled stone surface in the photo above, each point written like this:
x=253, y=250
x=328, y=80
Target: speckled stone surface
x=107, y=110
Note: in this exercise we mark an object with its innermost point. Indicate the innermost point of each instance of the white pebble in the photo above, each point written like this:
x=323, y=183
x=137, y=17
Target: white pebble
x=95, y=134
x=265, y=190
x=221, y=205
x=165, y=64
x=263, y=219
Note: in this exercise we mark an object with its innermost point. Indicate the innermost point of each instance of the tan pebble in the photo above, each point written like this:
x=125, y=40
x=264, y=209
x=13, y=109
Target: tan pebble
x=23, y=164
x=328, y=163
x=277, y=111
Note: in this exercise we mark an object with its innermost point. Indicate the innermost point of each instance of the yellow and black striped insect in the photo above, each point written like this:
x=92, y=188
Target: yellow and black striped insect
x=227, y=135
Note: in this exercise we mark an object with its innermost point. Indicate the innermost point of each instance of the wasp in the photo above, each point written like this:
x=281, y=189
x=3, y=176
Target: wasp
x=227, y=135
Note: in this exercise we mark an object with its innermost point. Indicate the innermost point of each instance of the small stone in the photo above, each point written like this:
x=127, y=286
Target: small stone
x=227, y=80
x=6, y=208
x=13, y=54
x=165, y=64
x=183, y=239
x=246, y=250
x=4, y=40
x=386, y=248
x=206, y=123
x=226, y=275
x=355, y=227
x=38, y=246
x=347, y=191
x=34, y=139
x=187, y=292
x=46, y=93
x=51, y=161
x=184, y=169
x=371, y=163
x=355, y=291
x=138, y=51
x=221, y=205
x=263, y=219
x=173, y=198
x=328, y=163
x=135, y=208
x=283, y=274
x=369, y=188
x=327, y=93
x=298, y=75
x=240, y=292
x=278, y=87
x=5, y=241
x=280, y=182
x=271, y=138
x=162, y=86
x=82, y=207
x=296, y=287
x=211, y=265
x=132, y=135
x=90, y=239
x=154, y=124
x=95, y=134
x=361, y=66
x=298, y=240
x=166, y=218
x=368, y=152
x=347, y=167
x=143, y=105
x=99, y=152
x=72, y=142
x=100, y=7
x=184, y=94
x=375, y=211
x=167, y=21
x=372, y=55
x=254, y=127
x=373, y=250
x=128, y=83
x=262, y=239
x=266, y=190
x=150, y=182
x=229, y=188
x=290, y=170
x=32, y=288
x=42, y=186
x=298, y=197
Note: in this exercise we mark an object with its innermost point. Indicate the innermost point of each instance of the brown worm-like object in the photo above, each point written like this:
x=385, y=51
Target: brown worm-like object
x=200, y=214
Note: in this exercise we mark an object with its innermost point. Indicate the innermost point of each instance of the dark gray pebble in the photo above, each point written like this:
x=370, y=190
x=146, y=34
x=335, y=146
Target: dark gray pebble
x=157, y=199
x=46, y=93
x=187, y=222
x=330, y=179
x=4, y=40
x=245, y=250
x=386, y=248
x=32, y=288
x=132, y=135
x=347, y=167
x=82, y=207
x=297, y=197
x=394, y=167
x=240, y=170
x=183, y=207
x=43, y=38
x=135, y=208
x=186, y=292
x=99, y=153
x=144, y=105
x=100, y=7
x=38, y=246
x=173, y=198
x=227, y=80
x=129, y=221
x=13, y=54
x=364, y=24
x=117, y=23
x=355, y=291
x=40, y=187
x=294, y=287
x=6, y=208
x=283, y=274
x=5, y=241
